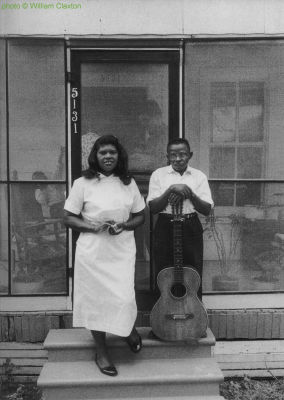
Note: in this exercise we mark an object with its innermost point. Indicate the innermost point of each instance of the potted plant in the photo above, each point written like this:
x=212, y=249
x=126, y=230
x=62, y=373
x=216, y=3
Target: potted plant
x=27, y=277
x=226, y=243
x=26, y=281
x=36, y=257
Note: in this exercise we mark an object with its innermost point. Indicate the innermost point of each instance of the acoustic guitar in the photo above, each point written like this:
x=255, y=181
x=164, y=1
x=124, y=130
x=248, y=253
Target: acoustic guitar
x=178, y=313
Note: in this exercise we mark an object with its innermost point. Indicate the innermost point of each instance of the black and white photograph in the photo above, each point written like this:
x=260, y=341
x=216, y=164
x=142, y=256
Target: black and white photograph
x=141, y=199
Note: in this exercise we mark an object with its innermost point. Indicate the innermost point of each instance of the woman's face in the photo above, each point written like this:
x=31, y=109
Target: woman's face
x=107, y=156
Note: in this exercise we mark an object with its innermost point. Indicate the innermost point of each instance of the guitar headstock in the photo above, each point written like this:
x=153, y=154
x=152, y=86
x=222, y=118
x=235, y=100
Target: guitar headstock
x=177, y=212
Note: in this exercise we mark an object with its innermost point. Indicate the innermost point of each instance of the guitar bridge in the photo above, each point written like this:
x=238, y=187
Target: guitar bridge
x=181, y=317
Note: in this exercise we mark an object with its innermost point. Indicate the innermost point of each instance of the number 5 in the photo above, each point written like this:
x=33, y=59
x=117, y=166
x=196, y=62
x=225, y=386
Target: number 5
x=74, y=93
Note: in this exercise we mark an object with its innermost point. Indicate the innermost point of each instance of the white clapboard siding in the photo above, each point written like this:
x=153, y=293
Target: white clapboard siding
x=25, y=360
x=263, y=358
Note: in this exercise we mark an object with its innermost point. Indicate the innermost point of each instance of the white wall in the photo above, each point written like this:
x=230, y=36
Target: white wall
x=141, y=17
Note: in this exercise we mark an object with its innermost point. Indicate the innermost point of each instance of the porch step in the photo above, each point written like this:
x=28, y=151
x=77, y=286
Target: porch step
x=78, y=345
x=168, y=378
x=165, y=398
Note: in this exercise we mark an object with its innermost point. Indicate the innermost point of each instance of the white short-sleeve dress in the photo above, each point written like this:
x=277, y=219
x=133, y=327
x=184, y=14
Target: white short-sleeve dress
x=104, y=296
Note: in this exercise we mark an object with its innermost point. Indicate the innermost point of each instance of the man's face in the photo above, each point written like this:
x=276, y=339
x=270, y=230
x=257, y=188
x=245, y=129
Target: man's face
x=178, y=156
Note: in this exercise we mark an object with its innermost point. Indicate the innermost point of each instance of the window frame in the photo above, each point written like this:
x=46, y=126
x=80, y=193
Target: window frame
x=45, y=301
x=236, y=144
x=197, y=80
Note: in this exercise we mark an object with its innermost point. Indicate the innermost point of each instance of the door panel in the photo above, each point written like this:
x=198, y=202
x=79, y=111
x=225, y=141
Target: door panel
x=134, y=96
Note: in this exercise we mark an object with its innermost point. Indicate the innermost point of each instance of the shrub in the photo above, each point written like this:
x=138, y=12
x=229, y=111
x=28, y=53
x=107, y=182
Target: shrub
x=252, y=389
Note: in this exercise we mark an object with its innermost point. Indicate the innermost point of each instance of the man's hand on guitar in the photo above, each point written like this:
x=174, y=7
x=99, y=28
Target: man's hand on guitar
x=175, y=199
x=181, y=190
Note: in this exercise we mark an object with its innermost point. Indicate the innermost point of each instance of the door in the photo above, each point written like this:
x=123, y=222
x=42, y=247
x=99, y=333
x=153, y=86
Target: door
x=133, y=95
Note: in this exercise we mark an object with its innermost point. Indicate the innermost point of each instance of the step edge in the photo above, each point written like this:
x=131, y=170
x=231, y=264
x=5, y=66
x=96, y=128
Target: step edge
x=215, y=376
x=74, y=345
x=194, y=397
x=132, y=382
x=50, y=342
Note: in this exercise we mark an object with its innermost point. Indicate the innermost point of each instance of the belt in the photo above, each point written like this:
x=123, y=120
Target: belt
x=185, y=216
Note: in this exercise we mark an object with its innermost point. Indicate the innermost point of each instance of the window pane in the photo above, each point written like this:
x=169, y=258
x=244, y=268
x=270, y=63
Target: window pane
x=239, y=194
x=223, y=193
x=129, y=101
x=39, y=239
x=223, y=103
x=222, y=162
x=250, y=162
x=3, y=240
x=3, y=149
x=248, y=193
x=257, y=69
x=251, y=111
x=244, y=247
x=37, y=108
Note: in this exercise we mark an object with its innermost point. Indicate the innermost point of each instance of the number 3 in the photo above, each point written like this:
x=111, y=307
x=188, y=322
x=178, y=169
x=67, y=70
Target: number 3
x=75, y=116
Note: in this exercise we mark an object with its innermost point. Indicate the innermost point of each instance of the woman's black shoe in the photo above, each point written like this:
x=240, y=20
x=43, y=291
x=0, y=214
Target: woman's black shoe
x=108, y=370
x=134, y=345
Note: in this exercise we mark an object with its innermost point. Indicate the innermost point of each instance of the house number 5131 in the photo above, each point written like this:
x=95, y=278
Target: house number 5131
x=74, y=109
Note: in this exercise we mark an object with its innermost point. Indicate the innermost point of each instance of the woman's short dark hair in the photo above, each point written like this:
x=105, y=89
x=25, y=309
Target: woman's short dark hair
x=121, y=169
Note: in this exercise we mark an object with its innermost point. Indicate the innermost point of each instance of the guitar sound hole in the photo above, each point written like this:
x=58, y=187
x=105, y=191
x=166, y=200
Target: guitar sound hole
x=178, y=290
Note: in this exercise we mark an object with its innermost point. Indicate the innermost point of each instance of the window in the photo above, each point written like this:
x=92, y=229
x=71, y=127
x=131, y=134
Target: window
x=33, y=244
x=234, y=106
x=3, y=173
x=237, y=147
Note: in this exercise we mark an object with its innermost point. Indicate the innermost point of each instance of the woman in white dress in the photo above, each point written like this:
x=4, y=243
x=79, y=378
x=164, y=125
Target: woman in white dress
x=105, y=206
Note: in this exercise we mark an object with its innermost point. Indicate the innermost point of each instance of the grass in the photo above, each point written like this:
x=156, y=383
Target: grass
x=232, y=389
x=253, y=389
x=27, y=391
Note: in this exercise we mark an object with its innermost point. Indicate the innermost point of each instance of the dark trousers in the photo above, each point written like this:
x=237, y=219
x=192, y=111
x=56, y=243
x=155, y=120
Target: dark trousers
x=192, y=245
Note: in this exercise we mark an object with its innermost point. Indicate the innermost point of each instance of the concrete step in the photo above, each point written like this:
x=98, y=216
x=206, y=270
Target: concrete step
x=171, y=378
x=78, y=345
x=167, y=398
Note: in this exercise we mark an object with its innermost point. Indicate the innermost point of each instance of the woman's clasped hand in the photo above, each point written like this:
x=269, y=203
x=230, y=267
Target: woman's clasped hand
x=111, y=227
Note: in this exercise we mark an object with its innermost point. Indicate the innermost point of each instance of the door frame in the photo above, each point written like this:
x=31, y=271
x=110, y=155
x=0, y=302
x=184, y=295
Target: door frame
x=172, y=57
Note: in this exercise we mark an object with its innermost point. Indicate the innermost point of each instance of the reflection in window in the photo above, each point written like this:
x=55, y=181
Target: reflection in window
x=237, y=111
x=37, y=109
x=244, y=248
x=223, y=103
x=222, y=162
x=248, y=193
x=3, y=240
x=39, y=239
x=236, y=193
x=3, y=150
x=237, y=139
x=129, y=101
x=251, y=112
x=223, y=193
x=250, y=162
x=235, y=116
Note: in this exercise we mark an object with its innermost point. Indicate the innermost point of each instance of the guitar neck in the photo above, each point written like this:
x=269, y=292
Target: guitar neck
x=178, y=249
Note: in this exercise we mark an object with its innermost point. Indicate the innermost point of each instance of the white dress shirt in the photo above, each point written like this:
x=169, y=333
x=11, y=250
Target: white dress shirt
x=195, y=179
